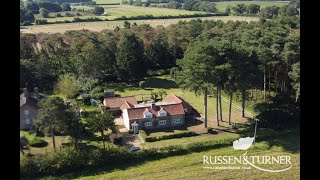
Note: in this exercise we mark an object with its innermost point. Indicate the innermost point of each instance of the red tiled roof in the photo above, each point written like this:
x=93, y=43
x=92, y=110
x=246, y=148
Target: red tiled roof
x=116, y=102
x=176, y=99
x=171, y=109
x=172, y=99
x=126, y=105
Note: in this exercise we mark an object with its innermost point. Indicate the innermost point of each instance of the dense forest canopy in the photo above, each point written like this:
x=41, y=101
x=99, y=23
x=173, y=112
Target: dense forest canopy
x=270, y=47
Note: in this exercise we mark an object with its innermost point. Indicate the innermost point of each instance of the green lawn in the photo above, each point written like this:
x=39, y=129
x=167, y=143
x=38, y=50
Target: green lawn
x=221, y=6
x=191, y=166
x=170, y=86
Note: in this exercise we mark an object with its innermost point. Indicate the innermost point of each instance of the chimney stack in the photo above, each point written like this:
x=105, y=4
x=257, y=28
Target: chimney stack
x=153, y=105
x=25, y=92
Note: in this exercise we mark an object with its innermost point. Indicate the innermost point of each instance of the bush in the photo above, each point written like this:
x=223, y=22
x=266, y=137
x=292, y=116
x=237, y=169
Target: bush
x=58, y=15
x=97, y=93
x=98, y=10
x=37, y=142
x=171, y=136
x=130, y=131
x=41, y=21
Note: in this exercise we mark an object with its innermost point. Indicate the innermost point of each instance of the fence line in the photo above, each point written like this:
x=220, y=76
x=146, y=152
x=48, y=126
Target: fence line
x=236, y=106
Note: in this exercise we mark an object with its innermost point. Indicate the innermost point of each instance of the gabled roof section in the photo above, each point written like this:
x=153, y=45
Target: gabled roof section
x=116, y=102
x=126, y=105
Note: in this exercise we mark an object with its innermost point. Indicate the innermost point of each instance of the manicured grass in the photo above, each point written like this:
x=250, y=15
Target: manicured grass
x=107, y=1
x=163, y=133
x=99, y=26
x=221, y=6
x=48, y=148
x=189, y=140
x=191, y=166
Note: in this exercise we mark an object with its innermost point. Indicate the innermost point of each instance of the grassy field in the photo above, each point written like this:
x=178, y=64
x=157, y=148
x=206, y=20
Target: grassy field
x=115, y=11
x=191, y=166
x=221, y=6
x=99, y=26
x=107, y=1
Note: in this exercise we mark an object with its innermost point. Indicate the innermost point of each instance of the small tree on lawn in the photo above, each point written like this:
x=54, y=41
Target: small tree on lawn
x=100, y=122
x=52, y=116
x=162, y=93
x=44, y=12
x=98, y=10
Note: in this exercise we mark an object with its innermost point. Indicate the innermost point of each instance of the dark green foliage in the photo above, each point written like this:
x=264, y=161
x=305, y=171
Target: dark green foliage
x=65, y=7
x=126, y=24
x=37, y=142
x=269, y=12
x=26, y=17
x=144, y=136
x=253, y=9
x=130, y=57
x=44, y=12
x=41, y=21
x=97, y=93
x=98, y=10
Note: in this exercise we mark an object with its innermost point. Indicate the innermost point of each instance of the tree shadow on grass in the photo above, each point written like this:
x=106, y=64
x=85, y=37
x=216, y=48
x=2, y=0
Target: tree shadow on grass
x=160, y=83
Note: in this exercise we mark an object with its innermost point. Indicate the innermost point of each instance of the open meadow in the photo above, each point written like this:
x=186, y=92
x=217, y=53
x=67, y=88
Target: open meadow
x=102, y=25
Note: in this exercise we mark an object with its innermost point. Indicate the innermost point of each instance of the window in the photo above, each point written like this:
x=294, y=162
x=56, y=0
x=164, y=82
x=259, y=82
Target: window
x=162, y=122
x=148, y=123
x=176, y=121
x=148, y=115
x=26, y=112
x=27, y=121
x=162, y=113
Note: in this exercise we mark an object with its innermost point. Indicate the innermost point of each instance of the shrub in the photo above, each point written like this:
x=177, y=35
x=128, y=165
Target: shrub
x=37, y=142
x=130, y=131
x=171, y=136
x=142, y=84
x=41, y=21
x=98, y=10
x=97, y=93
x=58, y=15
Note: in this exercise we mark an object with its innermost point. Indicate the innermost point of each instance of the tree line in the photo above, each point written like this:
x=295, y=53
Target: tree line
x=244, y=57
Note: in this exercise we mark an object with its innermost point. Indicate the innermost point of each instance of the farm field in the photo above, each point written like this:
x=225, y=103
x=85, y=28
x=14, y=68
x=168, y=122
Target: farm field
x=102, y=25
x=221, y=6
x=191, y=166
x=116, y=11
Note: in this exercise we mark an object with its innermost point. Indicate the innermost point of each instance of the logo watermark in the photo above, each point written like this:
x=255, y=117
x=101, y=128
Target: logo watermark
x=250, y=161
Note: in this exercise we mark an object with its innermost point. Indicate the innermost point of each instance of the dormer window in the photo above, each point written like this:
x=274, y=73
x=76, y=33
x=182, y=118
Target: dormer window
x=162, y=113
x=148, y=115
